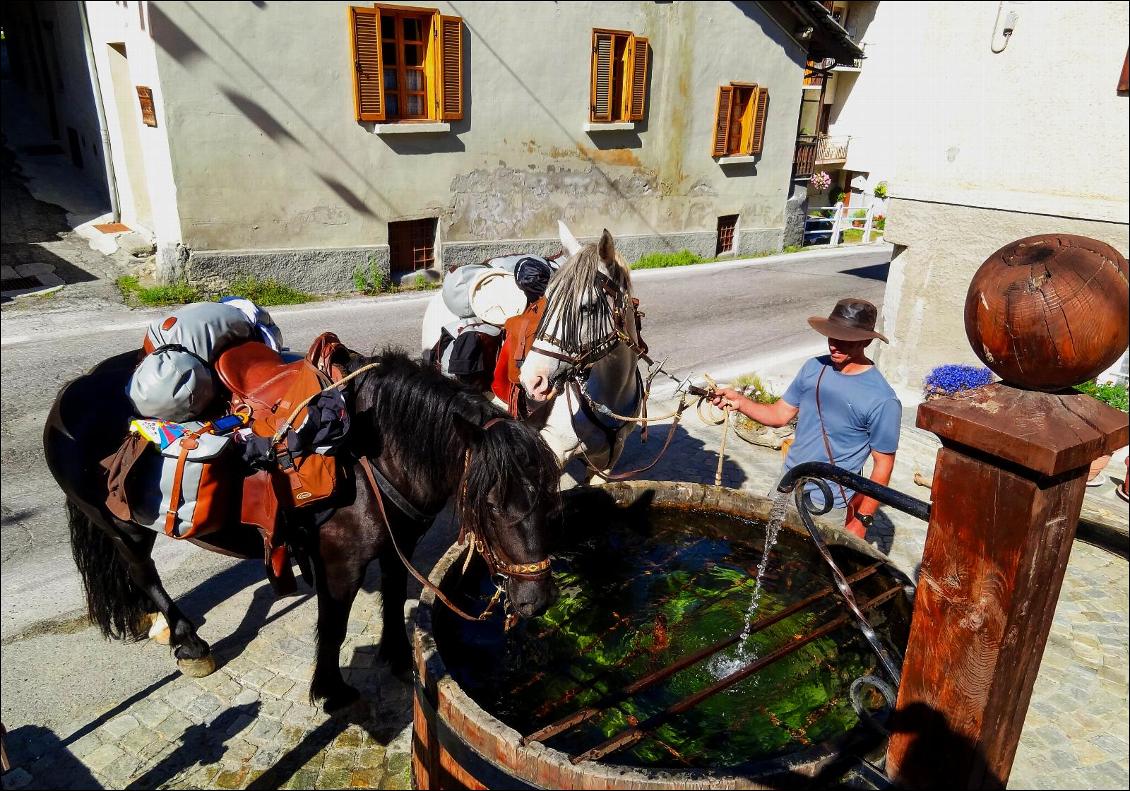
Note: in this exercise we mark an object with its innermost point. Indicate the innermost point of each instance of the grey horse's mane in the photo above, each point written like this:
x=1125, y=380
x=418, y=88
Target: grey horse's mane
x=575, y=310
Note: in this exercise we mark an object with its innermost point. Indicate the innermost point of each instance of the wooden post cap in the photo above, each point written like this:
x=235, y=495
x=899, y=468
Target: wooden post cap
x=1048, y=433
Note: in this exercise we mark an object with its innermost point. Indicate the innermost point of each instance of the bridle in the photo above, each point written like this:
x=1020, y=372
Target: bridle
x=499, y=567
x=582, y=357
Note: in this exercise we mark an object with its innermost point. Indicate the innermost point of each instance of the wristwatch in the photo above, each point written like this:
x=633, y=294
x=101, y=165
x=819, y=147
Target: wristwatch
x=866, y=519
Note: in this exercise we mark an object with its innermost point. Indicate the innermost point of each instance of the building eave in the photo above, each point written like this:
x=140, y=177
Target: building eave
x=827, y=39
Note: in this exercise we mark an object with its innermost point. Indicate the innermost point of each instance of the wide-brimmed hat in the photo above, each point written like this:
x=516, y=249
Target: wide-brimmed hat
x=850, y=320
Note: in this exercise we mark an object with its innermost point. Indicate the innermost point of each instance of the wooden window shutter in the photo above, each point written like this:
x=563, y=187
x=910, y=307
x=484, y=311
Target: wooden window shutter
x=720, y=144
x=638, y=86
x=760, y=112
x=364, y=29
x=451, y=68
x=600, y=105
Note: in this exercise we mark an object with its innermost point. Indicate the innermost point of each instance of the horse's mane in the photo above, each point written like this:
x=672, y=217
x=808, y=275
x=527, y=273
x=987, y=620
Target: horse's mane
x=423, y=422
x=574, y=286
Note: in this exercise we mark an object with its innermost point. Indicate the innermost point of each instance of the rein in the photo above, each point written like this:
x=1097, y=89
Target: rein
x=500, y=570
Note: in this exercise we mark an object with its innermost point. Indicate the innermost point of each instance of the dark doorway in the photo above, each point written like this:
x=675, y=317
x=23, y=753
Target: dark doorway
x=411, y=245
x=726, y=227
x=76, y=148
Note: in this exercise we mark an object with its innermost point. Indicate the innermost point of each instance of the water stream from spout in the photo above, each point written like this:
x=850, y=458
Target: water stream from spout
x=724, y=665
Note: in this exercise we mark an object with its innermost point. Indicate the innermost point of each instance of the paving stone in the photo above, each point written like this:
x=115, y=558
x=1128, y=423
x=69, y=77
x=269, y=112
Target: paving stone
x=245, y=698
x=263, y=732
x=257, y=677
x=278, y=686
x=241, y=723
x=104, y=756
x=366, y=778
x=174, y=726
x=119, y=726
x=341, y=758
x=303, y=778
x=239, y=750
x=84, y=746
x=230, y=779
x=151, y=713
x=274, y=708
x=334, y=778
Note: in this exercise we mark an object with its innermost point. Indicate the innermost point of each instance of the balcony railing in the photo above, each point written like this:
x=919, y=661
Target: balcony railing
x=831, y=149
x=804, y=160
x=813, y=150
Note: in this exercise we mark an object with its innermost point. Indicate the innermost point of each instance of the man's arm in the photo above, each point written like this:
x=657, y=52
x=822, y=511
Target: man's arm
x=776, y=414
x=882, y=466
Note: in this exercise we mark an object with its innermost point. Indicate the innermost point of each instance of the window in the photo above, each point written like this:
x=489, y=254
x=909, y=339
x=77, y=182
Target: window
x=411, y=245
x=726, y=227
x=739, y=119
x=408, y=64
x=619, y=76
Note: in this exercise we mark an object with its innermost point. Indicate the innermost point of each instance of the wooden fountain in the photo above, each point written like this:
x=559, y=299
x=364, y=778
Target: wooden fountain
x=1044, y=313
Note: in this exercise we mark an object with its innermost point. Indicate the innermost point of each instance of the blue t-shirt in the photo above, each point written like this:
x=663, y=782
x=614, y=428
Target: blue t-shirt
x=861, y=414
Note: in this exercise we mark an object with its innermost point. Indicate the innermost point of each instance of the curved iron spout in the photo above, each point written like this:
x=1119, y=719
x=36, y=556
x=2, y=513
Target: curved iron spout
x=884, y=494
x=819, y=473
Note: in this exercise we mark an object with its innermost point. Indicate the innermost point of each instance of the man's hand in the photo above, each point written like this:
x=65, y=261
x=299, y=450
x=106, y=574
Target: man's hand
x=725, y=397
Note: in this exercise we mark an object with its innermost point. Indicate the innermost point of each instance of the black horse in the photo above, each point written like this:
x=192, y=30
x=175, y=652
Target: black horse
x=428, y=438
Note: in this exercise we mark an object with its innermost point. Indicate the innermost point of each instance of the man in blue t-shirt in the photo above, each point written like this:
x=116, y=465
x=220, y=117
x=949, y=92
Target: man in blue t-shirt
x=845, y=410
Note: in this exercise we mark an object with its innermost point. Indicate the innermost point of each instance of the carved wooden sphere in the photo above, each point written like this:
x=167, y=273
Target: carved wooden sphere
x=1048, y=312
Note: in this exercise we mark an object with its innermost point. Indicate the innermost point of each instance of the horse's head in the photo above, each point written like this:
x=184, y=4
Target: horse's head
x=508, y=492
x=587, y=301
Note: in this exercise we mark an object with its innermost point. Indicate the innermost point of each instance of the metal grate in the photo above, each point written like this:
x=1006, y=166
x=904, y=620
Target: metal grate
x=726, y=227
x=412, y=245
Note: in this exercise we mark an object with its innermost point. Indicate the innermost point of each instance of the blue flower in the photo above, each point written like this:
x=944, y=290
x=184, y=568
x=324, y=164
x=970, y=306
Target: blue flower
x=950, y=379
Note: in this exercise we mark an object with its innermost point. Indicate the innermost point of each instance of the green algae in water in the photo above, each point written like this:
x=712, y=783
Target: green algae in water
x=635, y=599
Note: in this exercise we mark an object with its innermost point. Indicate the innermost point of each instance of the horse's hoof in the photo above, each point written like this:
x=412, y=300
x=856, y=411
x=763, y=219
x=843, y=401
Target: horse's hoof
x=197, y=668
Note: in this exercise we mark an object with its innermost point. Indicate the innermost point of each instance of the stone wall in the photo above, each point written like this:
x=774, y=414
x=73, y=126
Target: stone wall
x=938, y=247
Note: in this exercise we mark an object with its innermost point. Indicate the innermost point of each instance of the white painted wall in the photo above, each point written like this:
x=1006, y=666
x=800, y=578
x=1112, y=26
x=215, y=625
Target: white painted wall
x=1036, y=128
x=127, y=23
x=990, y=148
x=257, y=105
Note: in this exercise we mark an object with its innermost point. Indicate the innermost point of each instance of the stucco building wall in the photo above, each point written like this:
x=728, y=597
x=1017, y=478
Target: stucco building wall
x=990, y=148
x=272, y=172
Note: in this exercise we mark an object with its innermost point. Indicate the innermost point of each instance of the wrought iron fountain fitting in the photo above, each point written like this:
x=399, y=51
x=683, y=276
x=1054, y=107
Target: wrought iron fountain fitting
x=819, y=473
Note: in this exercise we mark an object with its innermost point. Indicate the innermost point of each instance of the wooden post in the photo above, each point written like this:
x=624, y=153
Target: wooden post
x=1007, y=491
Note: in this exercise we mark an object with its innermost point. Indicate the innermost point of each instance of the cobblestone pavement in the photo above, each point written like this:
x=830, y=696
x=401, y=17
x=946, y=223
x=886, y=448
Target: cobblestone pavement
x=249, y=725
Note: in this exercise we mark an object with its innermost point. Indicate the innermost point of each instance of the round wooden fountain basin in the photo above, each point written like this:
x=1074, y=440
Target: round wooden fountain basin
x=458, y=744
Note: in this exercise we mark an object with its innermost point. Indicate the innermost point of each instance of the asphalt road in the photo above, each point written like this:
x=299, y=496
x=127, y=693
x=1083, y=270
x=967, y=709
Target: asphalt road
x=715, y=318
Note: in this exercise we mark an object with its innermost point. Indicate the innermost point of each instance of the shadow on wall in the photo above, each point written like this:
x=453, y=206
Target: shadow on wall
x=181, y=47
x=772, y=31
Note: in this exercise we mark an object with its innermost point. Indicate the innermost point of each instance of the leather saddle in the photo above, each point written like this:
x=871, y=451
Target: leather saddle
x=275, y=391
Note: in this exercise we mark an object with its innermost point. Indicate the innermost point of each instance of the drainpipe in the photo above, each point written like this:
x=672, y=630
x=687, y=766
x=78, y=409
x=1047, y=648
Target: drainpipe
x=103, y=127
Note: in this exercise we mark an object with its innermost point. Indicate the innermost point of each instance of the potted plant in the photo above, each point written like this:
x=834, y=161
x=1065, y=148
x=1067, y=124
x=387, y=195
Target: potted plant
x=820, y=181
x=881, y=190
x=952, y=379
x=1114, y=395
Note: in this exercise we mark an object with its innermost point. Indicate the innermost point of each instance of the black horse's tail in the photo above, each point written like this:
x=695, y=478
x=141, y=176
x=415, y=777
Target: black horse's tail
x=114, y=603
